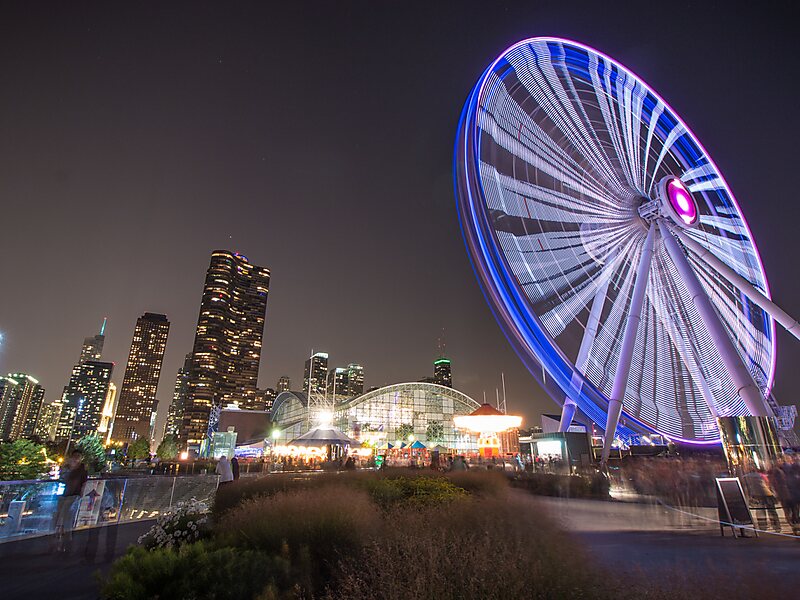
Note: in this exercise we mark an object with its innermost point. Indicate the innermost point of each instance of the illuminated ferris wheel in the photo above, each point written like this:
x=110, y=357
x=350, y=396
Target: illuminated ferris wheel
x=610, y=247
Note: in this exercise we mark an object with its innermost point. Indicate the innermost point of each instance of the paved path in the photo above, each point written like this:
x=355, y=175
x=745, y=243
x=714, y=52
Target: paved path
x=29, y=570
x=649, y=540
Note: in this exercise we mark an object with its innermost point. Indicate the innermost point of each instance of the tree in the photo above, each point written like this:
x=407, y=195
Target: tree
x=22, y=459
x=168, y=448
x=139, y=449
x=94, y=454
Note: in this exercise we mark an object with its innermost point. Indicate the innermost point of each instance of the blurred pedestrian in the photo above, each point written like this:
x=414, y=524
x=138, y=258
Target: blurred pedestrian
x=224, y=470
x=74, y=475
x=235, y=468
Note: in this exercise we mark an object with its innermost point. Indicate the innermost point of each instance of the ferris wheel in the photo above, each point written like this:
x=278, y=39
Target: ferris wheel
x=612, y=251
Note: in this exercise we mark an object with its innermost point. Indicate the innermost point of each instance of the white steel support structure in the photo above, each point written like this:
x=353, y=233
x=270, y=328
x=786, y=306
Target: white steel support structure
x=773, y=310
x=628, y=342
x=747, y=389
x=590, y=333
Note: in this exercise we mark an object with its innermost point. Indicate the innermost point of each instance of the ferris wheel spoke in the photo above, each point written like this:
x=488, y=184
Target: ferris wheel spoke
x=685, y=349
x=623, y=122
x=546, y=87
x=518, y=133
x=676, y=132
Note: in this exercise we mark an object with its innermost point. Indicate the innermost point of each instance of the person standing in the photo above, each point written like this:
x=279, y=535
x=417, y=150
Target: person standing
x=224, y=470
x=235, y=468
x=64, y=519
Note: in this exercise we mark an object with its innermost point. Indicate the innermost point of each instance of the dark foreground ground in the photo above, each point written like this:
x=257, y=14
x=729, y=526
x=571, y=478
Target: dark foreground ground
x=30, y=570
x=629, y=539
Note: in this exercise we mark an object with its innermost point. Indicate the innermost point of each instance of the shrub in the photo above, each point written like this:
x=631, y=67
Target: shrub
x=198, y=570
x=413, y=491
x=230, y=496
x=186, y=523
x=312, y=527
x=480, y=548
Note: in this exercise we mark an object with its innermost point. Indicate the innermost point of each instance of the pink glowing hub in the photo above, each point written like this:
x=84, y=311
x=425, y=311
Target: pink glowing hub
x=679, y=201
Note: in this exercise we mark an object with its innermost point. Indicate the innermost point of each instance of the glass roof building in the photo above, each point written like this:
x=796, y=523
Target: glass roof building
x=397, y=413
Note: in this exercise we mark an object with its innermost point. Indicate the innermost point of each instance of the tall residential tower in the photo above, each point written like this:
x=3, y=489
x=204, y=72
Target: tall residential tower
x=227, y=343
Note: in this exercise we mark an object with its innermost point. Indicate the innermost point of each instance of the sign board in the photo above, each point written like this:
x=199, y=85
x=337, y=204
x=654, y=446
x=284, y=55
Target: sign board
x=732, y=506
x=91, y=500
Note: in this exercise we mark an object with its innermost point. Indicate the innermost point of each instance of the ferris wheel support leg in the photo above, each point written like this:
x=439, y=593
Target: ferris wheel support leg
x=756, y=296
x=747, y=389
x=628, y=343
x=589, y=335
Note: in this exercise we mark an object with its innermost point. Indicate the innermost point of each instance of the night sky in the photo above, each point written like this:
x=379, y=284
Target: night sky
x=316, y=138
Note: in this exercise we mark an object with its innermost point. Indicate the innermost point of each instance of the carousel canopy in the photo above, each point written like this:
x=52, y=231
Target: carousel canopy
x=487, y=419
x=324, y=435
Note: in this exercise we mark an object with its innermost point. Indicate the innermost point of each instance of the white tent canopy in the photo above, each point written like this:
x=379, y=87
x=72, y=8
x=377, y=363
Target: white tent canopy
x=324, y=435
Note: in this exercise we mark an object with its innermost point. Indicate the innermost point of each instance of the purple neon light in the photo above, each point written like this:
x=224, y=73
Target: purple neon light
x=681, y=201
x=678, y=195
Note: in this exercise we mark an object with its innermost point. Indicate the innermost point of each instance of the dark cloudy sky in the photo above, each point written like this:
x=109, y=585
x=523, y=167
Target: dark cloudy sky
x=316, y=138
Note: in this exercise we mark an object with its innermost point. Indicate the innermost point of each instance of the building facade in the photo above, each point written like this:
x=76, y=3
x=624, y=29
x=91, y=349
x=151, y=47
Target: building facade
x=179, y=395
x=284, y=384
x=227, y=346
x=107, y=414
x=355, y=380
x=264, y=399
x=338, y=383
x=92, y=348
x=20, y=403
x=315, y=373
x=83, y=400
x=137, y=397
x=442, y=372
x=47, y=424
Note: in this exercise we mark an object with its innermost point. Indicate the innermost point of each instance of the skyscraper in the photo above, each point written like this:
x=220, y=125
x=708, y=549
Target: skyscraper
x=107, y=414
x=355, y=380
x=20, y=403
x=84, y=398
x=227, y=343
x=178, y=404
x=48, y=421
x=337, y=383
x=284, y=384
x=441, y=372
x=316, y=371
x=264, y=399
x=92, y=348
x=137, y=398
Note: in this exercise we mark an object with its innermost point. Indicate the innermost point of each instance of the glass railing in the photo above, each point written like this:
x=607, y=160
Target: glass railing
x=28, y=508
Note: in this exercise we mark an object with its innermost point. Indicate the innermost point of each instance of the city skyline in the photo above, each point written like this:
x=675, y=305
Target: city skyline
x=297, y=185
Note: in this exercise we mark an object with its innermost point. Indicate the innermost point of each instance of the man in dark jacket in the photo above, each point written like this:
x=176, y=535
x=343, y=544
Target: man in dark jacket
x=74, y=475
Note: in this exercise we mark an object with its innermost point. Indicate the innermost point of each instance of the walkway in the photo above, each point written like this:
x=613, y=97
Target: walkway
x=29, y=570
x=650, y=540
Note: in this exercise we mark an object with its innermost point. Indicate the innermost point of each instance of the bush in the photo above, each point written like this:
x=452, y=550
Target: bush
x=186, y=523
x=198, y=570
x=312, y=527
x=139, y=449
x=413, y=491
x=231, y=495
x=480, y=548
